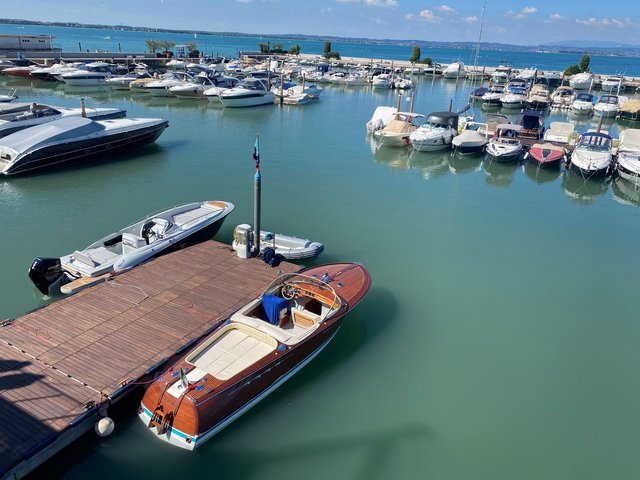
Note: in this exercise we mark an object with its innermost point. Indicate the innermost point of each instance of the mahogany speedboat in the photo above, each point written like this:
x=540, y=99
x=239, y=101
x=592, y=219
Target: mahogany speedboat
x=547, y=154
x=251, y=354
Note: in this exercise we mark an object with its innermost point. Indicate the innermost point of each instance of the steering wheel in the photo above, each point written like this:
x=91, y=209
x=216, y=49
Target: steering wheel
x=289, y=291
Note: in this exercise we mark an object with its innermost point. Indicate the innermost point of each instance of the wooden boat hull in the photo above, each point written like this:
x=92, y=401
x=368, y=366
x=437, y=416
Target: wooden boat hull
x=202, y=411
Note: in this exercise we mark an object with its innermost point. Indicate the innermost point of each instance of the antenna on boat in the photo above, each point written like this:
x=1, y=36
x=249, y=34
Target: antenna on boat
x=257, y=190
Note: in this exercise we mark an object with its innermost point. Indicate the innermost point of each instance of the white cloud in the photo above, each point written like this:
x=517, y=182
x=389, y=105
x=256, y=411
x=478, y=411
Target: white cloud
x=410, y=16
x=373, y=3
x=556, y=17
x=522, y=13
x=446, y=9
x=472, y=19
x=244, y=1
x=325, y=11
x=606, y=22
x=428, y=16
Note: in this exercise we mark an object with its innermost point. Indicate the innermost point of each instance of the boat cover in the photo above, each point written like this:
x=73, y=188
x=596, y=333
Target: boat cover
x=630, y=139
x=51, y=132
x=272, y=306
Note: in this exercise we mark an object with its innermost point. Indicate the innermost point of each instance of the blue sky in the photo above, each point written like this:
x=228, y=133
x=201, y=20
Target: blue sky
x=525, y=23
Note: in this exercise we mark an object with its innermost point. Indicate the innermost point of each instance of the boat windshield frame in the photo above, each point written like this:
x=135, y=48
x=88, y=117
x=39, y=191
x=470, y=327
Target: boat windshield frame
x=277, y=285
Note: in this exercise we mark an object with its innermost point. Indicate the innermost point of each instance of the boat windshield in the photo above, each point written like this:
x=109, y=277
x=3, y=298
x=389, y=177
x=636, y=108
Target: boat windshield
x=584, y=97
x=611, y=99
x=307, y=288
x=595, y=143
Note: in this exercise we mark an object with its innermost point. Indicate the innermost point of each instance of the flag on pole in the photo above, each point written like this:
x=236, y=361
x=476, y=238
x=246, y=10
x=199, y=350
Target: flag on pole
x=183, y=379
x=256, y=153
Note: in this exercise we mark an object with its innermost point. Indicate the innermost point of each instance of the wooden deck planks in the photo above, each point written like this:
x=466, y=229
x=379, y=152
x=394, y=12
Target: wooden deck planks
x=112, y=332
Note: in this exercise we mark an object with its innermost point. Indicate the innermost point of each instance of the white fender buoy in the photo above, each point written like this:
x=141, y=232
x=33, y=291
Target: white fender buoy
x=104, y=427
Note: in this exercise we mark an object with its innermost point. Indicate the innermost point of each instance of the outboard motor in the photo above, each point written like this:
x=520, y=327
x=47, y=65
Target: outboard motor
x=44, y=272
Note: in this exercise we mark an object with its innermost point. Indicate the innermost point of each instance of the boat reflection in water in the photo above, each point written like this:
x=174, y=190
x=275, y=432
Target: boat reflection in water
x=459, y=164
x=499, y=174
x=582, y=190
x=431, y=164
x=391, y=157
x=540, y=175
x=625, y=192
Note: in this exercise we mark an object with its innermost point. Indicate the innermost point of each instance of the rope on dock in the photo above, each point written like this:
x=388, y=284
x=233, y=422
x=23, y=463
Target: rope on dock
x=111, y=281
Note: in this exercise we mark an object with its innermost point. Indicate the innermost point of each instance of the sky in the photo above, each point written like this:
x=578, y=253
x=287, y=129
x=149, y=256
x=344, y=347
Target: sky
x=522, y=23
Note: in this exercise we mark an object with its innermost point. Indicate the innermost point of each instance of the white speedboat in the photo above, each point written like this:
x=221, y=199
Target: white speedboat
x=472, y=140
x=221, y=84
x=73, y=138
x=628, y=161
x=455, y=70
x=505, y=146
x=608, y=105
x=501, y=75
x=559, y=132
x=8, y=95
x=123, y=82
x=592, y=156
x=91, y=74
x=194, y=88
x=493, y=96
x=514, y=98
x=613, y=84
x=250, y=92
x=50, y=73
x=381, y=81
x=160, y=87
x=397, y=132
x=157, y=234
x=539, y=98
x=16, y=116
x=436, y=133
x=581, y=81
x=583, y=104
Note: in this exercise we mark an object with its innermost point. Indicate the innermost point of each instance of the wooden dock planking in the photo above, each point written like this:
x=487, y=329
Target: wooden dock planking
x=114, y=331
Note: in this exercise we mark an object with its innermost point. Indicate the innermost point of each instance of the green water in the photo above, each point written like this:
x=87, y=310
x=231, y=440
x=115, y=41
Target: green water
x=499, y=338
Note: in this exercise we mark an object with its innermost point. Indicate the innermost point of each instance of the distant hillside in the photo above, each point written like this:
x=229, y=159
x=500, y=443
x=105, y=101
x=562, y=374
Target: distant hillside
x=597, y=44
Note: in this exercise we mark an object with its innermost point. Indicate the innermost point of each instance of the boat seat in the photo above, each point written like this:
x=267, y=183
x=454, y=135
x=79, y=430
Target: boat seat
x=131, y=242
x=264, y=327
x=304, y=318
x=95, y=257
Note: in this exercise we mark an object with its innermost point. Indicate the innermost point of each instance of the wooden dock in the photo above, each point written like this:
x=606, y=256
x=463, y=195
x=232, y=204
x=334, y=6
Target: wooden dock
x=61, y=364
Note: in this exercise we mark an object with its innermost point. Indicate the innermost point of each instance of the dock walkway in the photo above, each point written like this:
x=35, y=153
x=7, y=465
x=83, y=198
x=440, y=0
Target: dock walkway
x=60, y=364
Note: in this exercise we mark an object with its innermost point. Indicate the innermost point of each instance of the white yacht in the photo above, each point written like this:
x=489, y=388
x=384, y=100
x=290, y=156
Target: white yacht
x=562, y=97
x=399, y=128
x=583, y=104
x=501, y=75
x=436, y=133
x=592, y=156
x=514, y=98
x=160, y=88
x=608, y=105
x=472, y=140
x=250, y=92
x=581, y=81
x=613, y=84
x=381, y=81
x=505, y=146
x=194, y=88
x=91, y=74
x=628, y=164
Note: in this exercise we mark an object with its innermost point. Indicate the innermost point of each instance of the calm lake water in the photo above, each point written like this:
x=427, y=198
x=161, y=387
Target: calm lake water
x=499, y=339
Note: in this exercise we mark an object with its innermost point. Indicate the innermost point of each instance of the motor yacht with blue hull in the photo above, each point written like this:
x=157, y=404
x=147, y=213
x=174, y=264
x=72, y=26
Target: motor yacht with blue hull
x=16, y=116
x=251, y=354
x=156, y=234
x=72, y=139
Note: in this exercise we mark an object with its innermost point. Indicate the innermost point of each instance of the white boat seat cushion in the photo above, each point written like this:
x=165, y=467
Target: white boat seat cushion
x=160, y=226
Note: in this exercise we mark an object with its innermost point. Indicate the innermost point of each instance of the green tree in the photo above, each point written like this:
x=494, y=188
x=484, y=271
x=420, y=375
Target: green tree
x=295, y=50
x=584, y=63
x=415, y=56
x=166, y=46
x=427, y=61
x=192, y=47
x=152, y=45
x=264, y=47
x=327, y=48
x=277, y=48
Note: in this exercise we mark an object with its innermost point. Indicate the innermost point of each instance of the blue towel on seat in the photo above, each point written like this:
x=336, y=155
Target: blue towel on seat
x=272, y=306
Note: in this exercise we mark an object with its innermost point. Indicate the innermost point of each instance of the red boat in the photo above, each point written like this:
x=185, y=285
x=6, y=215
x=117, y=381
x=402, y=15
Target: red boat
x=547, y=154
x=18, y=71
x=248, y=356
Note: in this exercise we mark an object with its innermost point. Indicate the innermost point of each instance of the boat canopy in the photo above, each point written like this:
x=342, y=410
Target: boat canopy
x=443, y=119
x=52, y=132
x=612, y=99
x=595, y=141
x=584, y=97
x=630, y=139
x=632, y=105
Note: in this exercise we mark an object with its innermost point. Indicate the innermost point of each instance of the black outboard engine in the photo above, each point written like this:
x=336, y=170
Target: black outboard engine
x=44, y=272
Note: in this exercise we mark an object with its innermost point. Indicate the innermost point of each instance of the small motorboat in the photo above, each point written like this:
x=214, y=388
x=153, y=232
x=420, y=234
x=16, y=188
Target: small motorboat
x=477, y=93
x=397, y=132
x=613, y=84
x=582, y=81
x=628, y=159
x=472, y=140
x=248, y=356
x=8, y=95
x=559, y=132
x=436, y=133
x=505, y=145
x=592, y=156
x=16, y=116
x=583, y=104
x=630, y=110
x=515, y=97
x=454, y=70
x=72, y=138
x=539, y=98
x=157, y=234
x=290, y=248
x=532, y=123
x=493, y=96
x=608, y=105
x=547, y=155
x=562, y=97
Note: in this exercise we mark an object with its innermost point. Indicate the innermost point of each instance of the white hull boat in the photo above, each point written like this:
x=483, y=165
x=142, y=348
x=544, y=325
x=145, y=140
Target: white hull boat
x=290, y=248
x=454, y=71
x=583, y=104
x=250, y=92
x=397, y=132
x=613, y=84
x=437, y=132
x=608, y=105
x=506, y=147
x=380, y=118
x=628, y=162
x=472, y=140
x=592, y=157
x=17, y=116
x=122, y=250
x=581, y=81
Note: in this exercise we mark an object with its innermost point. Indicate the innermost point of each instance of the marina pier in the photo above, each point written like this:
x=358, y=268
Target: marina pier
x=63, y=365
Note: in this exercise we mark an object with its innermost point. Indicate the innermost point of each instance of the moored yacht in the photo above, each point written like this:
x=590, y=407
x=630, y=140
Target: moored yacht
x=592, y=156
x=506, y=145
x=562, y=97
x=398, y=130
x=514, y=98
x=582, y=81
x=628, y=160
x=613, y=84
x=608, y=105
x=72, y=138
x=436, y=133
x=91, y=74
x=472, y=140
x=454, y=70
x=249, y=92
x=583, y=104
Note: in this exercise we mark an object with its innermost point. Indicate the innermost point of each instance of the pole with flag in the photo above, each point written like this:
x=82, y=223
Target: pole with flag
x=184, y=381
x=257, y=190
